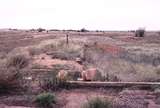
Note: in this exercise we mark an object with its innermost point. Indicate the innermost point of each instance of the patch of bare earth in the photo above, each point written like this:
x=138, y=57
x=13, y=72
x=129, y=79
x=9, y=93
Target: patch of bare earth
x=75, y=98
x=48, y=62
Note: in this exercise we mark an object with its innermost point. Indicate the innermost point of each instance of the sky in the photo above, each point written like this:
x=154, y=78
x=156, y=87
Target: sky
x=77, y=14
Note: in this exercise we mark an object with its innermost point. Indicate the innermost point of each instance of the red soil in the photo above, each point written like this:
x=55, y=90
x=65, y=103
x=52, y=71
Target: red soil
x=112, y=49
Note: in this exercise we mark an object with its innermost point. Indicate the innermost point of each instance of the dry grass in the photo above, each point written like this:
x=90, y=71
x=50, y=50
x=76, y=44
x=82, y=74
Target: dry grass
x=10, y=80
x=137, y=66
x=58, y=48
x=97, y=103
x=130, y=99
x=33, y=51
x=11, y=72
x=139, y=62
x=17, y=61
x=119, y=69
x=148, y=54
x=57, y=44
x=52, y=82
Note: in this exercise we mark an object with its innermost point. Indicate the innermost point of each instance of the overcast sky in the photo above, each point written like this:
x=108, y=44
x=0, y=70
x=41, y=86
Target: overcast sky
x=76, y=14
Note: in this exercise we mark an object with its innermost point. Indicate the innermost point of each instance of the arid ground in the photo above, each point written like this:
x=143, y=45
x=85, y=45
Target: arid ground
x=30, y=60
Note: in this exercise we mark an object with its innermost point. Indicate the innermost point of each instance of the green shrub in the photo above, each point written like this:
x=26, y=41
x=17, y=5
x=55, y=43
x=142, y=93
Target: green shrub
x=97, y=103
x=45, y=100
x=17, y=61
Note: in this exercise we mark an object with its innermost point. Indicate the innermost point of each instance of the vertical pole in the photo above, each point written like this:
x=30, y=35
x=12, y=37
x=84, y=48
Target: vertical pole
x=67, y=40
x=84, y=52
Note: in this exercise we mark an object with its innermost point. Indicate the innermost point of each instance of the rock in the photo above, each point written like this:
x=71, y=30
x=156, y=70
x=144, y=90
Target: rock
x=91, y=74
x=62, y=74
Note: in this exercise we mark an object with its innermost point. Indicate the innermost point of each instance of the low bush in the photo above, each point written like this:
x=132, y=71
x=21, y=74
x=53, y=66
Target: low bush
x=135, y=66
x=40, y=30
x=97, y=103
x=10, y=80
x=52, y=82
x=45, y=100
x=17, y=61
x=140, y=33
x=83, y=30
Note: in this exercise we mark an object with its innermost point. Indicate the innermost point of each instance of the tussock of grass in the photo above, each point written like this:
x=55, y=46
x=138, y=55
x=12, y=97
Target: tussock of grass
x=10, y=80
x=45, y=100
x=97, y=103
x=17, y=61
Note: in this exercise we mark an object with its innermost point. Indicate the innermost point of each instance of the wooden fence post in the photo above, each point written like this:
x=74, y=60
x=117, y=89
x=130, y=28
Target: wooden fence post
x=67, y=40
